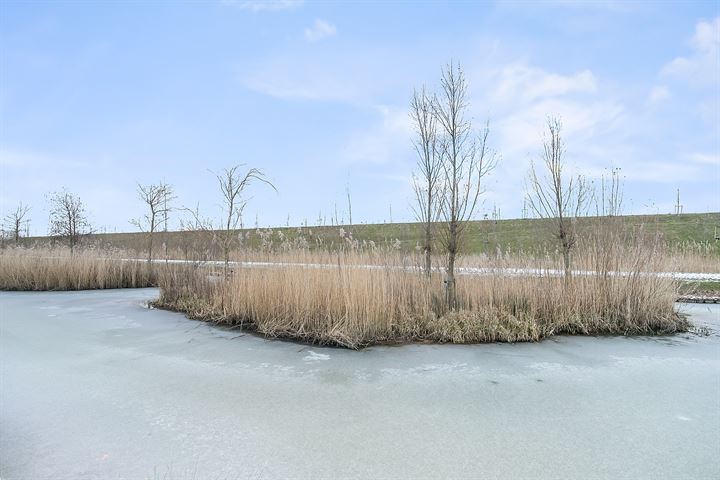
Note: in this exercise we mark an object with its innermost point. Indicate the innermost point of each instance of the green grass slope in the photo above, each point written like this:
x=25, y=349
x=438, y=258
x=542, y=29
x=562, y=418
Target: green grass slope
x=482, y=236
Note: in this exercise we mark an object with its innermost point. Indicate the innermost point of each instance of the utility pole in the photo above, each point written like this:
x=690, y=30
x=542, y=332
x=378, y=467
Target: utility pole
x=678, y=207
x=347, y=189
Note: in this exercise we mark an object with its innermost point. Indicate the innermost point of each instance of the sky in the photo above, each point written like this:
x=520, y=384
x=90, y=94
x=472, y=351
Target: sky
x=96, y=97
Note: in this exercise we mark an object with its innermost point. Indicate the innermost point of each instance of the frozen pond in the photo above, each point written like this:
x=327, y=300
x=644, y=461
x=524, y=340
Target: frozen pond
x=95, y=385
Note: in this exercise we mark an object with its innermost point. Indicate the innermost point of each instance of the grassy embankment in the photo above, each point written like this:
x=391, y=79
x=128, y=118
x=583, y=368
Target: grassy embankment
x=686, y=236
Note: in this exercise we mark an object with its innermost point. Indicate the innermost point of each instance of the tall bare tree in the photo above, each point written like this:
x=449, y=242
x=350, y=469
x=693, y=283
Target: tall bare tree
x=556, y=197
x=157, y=198
x=68, y=219
x=232, y=184
x=426, y=180
x=13, y=221
x=466, y=160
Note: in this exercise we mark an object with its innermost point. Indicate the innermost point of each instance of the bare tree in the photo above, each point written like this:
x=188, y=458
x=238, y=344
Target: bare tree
x=555, y=197
x=466, y=160
x=426, y=181
x=156, y=197
x=232, y=186
x=15, y=220
x=68, y=219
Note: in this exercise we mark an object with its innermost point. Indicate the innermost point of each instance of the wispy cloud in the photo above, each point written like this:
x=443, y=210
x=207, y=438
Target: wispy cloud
x=658, y=94
x=348, y=75
x=319, y=30
x=285, y=78
x=702, y=67
x=705, y=158
x=611, y=5
x=384, y=142
x=26, y=160
x=520, y=81
x=264, y=5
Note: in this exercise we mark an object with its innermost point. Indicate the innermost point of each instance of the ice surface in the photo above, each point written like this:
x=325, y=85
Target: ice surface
x=95, y=385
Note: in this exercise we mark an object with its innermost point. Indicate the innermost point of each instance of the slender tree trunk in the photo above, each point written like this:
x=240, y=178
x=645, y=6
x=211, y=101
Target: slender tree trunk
x=428, y=234
x=450, y=282
x=452, y=252
x=566, y=261
x=428, y=252
x=151, y=234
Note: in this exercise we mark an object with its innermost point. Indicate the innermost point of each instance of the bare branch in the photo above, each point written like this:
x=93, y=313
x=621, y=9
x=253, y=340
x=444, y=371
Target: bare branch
x=14, y=221
x=556, y=197
x=67, y=217
x=466, y=160
x=158, y=199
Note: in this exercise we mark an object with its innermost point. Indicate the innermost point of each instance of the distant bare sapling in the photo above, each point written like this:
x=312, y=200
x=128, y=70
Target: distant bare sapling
x=15, y=220
x=427, y=177
x=233, y=182
x=158, y=200
x=556, y=196
x=68, y=220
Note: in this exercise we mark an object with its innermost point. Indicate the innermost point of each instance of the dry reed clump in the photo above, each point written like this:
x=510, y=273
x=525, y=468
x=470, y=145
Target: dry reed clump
x=348, y=305
x=59, y=269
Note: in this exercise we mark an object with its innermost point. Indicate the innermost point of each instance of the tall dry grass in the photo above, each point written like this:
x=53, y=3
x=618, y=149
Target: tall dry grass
x=59, y=269
x=343, y=303
x=333, y=297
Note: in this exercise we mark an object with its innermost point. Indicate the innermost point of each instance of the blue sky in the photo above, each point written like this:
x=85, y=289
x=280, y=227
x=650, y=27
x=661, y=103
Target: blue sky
x=96, y=97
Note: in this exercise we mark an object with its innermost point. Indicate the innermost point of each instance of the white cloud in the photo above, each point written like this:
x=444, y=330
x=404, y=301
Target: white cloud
x=518, y=98
x=263, y=5
x=612, y=5
x=288, y=79
x=12, y=158
x=386, y=141
x=319, y=30
x=705, y=158
x=335, y=75
x=661, y=172
x=658, y=94
x=520, y=81
x=703, y=66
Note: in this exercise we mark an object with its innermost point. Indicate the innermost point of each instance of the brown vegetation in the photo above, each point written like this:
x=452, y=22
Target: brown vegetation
x=347, y=305
x=59, y=269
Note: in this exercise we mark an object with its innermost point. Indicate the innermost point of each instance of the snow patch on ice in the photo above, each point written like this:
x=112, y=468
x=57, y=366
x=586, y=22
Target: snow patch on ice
x=315, y=357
